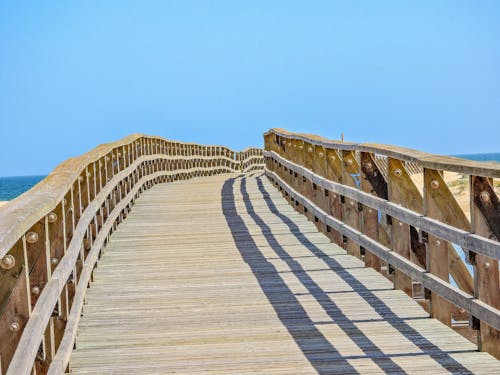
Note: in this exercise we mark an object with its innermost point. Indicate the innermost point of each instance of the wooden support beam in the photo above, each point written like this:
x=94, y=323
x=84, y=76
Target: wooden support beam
x=401, y=191
x=372, y=182
x=350, y=211
x=436, y=195
x=485, y=221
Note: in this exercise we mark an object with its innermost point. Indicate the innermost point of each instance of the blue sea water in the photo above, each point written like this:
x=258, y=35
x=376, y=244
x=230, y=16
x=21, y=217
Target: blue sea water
x=11, y=187
x=481, y=157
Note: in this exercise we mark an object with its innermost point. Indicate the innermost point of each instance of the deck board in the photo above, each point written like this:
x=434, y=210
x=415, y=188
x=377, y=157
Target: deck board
x=219, y=275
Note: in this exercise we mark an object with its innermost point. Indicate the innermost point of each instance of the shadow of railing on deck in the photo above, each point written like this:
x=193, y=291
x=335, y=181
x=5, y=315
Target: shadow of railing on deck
x=326, y=360
x=400, y=324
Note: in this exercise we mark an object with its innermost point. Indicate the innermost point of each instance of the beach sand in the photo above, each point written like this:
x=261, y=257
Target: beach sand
x=458, y=185
x=2, y=203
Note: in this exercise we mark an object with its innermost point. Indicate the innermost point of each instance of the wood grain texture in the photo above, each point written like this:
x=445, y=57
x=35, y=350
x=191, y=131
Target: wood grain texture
x=423, y=159
x=432, y=282
x=219, y=275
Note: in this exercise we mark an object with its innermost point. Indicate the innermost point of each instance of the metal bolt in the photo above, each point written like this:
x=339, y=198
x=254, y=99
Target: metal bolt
x=398, y=172
x=301, y=147
x=349, y=161
x=35, y=290
x=320, y=154
x=52, y=217
x=370, y=210
x=54, y=261
x=310, y=149
x=435, y=184
x=485, y=196
x=400, y=224
x=14, y=327
x=437, y=242
x=32, y=237
x=8, y=262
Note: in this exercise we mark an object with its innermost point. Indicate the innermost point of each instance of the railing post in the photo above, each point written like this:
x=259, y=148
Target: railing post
x=334, y=173
x=485, y=221
x=350, y=212
x=372, y=182
x=437, y=251
x=400, y=192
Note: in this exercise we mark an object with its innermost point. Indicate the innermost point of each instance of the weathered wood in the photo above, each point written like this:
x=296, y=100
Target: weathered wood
x=485, y=216
x=428, y=280
x=464, y=239
x=426, y=160
x=372, y=182
x=200, y=266
x=350, y=212
x=400, y=192
x=63, y=238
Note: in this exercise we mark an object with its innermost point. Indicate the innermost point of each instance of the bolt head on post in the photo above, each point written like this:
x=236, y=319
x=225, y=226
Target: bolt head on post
x=52, y=217
x=32, y=237
x=14, y=327
x=484, y=196
x=435, y=184
x=8, y=262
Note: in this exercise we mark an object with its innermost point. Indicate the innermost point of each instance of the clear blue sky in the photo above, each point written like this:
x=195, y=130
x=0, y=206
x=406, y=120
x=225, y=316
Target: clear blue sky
x=73, y=74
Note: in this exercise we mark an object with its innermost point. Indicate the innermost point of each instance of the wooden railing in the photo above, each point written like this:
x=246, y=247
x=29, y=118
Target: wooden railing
x=364, y=197
x=52, y=236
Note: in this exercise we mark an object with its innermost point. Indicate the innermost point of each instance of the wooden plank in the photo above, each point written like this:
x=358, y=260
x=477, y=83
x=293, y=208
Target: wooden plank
x=484, y=212
x=209, y=309
x=350, y=212
x=372, y=182
x=429, y=281
x=457, y=267
x=438, y=162
x=402, y=192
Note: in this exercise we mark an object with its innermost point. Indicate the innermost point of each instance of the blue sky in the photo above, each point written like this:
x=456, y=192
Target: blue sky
x=73, y=74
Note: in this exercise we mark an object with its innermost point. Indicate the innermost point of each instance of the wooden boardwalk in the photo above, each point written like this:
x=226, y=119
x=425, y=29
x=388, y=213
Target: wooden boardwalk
x=219, y=275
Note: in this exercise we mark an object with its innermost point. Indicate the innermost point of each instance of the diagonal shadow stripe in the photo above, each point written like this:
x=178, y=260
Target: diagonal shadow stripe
x=427, y=347
x=383, y=361
x=316, y=348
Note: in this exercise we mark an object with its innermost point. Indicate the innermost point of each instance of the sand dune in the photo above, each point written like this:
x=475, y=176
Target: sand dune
x=458, y=185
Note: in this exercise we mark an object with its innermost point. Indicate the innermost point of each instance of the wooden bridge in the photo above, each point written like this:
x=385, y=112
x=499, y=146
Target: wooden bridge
x=308, y=257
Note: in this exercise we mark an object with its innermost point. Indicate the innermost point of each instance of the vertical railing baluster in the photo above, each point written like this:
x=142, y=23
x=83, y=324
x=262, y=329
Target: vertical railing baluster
x=485, y=221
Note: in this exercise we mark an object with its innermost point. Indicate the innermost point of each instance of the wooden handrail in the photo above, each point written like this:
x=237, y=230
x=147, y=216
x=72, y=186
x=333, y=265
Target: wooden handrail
x=424, y=159
x=362, y=197
x=52, y=236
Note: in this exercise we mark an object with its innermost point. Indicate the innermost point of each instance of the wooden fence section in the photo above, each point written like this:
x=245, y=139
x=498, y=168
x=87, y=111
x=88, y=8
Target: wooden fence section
x=364, y=198
x=52, y=236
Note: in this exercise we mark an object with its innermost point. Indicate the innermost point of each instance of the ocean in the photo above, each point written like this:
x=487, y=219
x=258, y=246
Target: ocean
x=11, y=187
x=481, y=157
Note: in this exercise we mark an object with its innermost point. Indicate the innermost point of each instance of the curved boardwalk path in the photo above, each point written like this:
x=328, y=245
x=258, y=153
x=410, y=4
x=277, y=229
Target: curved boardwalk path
x=219, y=275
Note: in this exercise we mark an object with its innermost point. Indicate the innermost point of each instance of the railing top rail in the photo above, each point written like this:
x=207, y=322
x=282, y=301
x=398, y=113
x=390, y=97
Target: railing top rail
x=21, y=213
x=424, y=159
